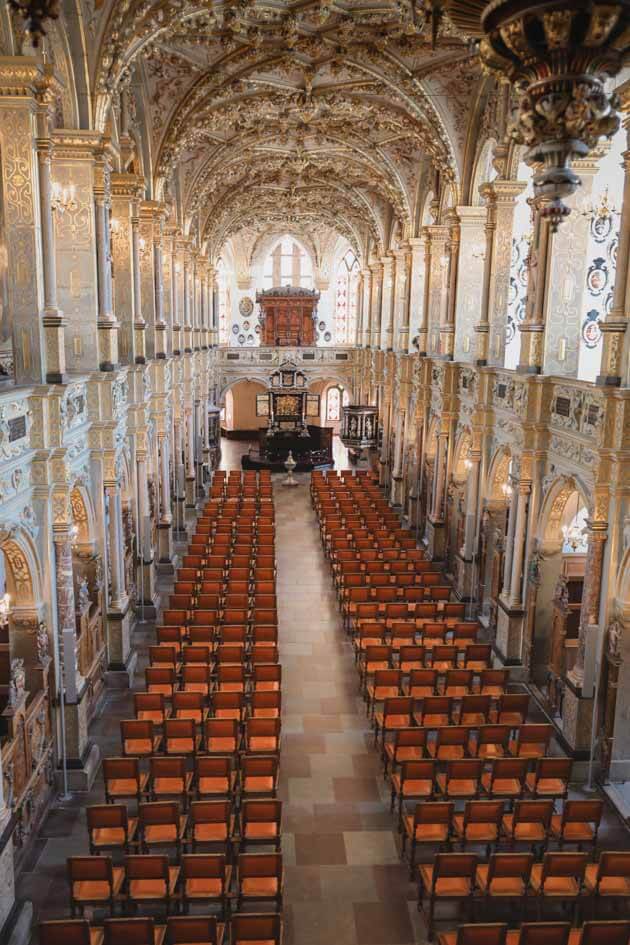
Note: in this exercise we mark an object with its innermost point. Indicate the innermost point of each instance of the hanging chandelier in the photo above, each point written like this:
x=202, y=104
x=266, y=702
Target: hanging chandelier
x=35, y=13
x=558, y=56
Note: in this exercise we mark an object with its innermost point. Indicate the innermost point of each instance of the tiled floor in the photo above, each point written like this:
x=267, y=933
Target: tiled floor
x=345, y=883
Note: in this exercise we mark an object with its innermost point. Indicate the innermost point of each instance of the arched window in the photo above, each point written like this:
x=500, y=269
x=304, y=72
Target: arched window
x=519, y=272
x=288, y=264
x=346, y=293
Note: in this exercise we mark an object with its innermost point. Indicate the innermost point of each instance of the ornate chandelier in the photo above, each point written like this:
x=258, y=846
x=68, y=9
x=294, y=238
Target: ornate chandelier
x=558, y=56
x=35, y=13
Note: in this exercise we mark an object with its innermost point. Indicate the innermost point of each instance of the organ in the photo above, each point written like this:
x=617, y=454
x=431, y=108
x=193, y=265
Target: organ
x=288, y=315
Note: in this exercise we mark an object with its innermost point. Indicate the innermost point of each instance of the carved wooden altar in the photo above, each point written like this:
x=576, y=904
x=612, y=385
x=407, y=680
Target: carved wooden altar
x=287, y=316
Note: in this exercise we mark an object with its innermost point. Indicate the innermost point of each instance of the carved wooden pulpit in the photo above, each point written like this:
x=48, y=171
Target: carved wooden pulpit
x=287, y=316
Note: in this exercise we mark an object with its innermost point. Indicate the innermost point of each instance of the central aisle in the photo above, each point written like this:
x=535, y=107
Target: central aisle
x=345, y=883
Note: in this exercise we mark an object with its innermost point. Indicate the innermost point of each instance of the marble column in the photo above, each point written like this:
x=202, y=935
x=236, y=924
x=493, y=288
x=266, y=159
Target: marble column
x=179, y=479
x=472, y=244
x=437, y=291
x=500, y=199
x=367, y=308
x=403, y=299
x=139, y=322
x=147, y=275
x=509, y=543
x=377, y=297
x=447, y=322
x=176, y=298
x=591, y=592
x=472, y=502
x=439, y=478
x=145, y=577
x=52, y=317
x=189, y=448
x=615, y=363
x=126, y=189
x=532, y=327
x=187, y=310
x=165, y=521
x=158, y=276
x=396, y=496
x=520, y=537
x=387, y=303
x=116, y=547
x=106, y=322
x=423, y=321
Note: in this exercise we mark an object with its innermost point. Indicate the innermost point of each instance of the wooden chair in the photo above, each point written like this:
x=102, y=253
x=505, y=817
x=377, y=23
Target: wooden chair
x=69, y=932
x=196, y=678
x=409, y=744
x=449, y=743
x=411, y=658
x=479, y=823
x=221, y=736
x=138, y=738
x=150, y=705
x=461, y=779
x=531, y=740
x=512, y=708
x=385, y=685
x=431, y=823
x=215, y=776
x=194, y=930
x=123, y=779
x=256, y=928
x=190, y=705
x=180, y=737
x=422, y=683
x=475, y=709
x=140, y=930
x=267, y=677
x=415, y=781
x=609, y=878
x=161, y=823
x=205, y=877
x=578, y=823
x=477, y=656
x=529, y=822
x=602, y=933
x=550, y=778
x=212, y=822
x=490, y=933
x=228, y=705
x=451, y=877
x=492, y=682
x=265, y=705
x=540, y=933
x=505, y=779
x=262, y=736
x=260, y=878
x=94, y=881
x=169, y=777
x=259, y=775
x=489, y=742
x=109, y=828
x=559, y=877
x=434, y=711
x=260, y=823
x=458, y=682
x=505, y=876
x=149, y=878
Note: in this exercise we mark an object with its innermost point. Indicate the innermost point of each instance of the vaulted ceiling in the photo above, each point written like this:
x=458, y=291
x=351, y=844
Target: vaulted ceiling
x=255, y=112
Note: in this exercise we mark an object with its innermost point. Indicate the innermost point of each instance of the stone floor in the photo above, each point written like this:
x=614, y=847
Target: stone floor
x=345, y=883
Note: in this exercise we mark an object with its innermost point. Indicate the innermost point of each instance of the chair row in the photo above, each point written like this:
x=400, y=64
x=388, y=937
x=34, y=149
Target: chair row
x=140, y=738
x=203, y=677
x=564, y=878
x=232, y=682
x=179, y=930
x=207, y=877
x=606, y=932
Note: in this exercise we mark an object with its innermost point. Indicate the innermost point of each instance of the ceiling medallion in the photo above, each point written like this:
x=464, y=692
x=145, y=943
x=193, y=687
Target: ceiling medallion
x=559, y=57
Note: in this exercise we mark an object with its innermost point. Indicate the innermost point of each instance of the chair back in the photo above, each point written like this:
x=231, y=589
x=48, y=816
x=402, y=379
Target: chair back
x=190, y=929
x=260, y=927
x=607, y=932
x=106, y=816
x=434, y=812
x=564, y=865
x=90, y=869
x=544, y=933
x=454, y=866
x=491, y=933
x=158, y=812
x=136, y=931
x=203, y=865
x=64, y=932
x=533, y=812
x=259, y=864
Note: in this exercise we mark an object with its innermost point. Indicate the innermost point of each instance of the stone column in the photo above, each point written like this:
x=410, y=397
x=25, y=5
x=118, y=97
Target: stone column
x=189, y=448
x=158, y=276
x=377, y=298
x=180, y=533
x=165, y=521
x=439, y=478
x=118, y=594
x=423, y=329
x=415, y=298
x=403, y=299
x=470, y=279
x=532, y=327
x=520, y=529
x=387, y=303
x=147, y=275
x=145, y=578
x=139, y=323
x=175, y=297
x=437, y=292
x=591, y=592
x=500, y=199
x=106, y=323
x=472, y=501
x=397, y=460
x=509, y=544
x=367, y=308
x=188, y=329
x=615, y=364
x=125, y=192
x=447, y=325
x=52, y=317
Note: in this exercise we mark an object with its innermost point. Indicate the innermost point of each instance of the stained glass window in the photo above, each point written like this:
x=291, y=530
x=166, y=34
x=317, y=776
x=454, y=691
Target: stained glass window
x=346, y=297
x=333, y=405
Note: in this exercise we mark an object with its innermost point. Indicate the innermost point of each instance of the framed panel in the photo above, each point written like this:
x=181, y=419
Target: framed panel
x=262, y=405
x=312, y=405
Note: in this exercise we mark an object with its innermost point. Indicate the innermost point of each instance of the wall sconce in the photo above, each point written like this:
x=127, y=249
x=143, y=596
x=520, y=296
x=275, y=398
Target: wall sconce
x=114, y=224
x=5, y=610
x=466, y=344
x=497, y=345
x=63, y=198
x=444, y=259
x=142, y=244
x=506, y=489
x=73, y=534
x=468, y=465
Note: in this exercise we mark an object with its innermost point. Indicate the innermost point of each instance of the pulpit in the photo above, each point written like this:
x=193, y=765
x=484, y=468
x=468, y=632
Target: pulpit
x=288, y=316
